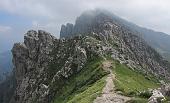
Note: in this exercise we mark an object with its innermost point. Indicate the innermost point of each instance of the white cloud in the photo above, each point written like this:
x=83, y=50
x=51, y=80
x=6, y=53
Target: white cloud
x=4, y=29
x=50, y=14
x=50, y=27
x=25, y=7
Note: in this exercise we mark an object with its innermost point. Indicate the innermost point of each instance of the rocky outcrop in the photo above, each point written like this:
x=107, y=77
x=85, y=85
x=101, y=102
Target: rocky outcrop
x=34, y=50
x=156, y=97
x=161, y=94
x=66, y=30
x=30, y=59
x=42, y=62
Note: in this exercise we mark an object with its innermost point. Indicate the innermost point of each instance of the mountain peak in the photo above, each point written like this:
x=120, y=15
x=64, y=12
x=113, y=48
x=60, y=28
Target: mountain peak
x=87, y=22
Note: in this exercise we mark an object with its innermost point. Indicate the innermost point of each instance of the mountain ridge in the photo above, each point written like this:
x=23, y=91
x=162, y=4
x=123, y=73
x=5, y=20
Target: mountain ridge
x=158, y=40
x=70, y=69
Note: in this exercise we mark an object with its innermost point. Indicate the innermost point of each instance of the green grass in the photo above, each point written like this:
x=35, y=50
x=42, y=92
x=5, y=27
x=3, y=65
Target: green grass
x=167, y=99
x=131, y=82
x=138, y=100
x=90, y=93
x=84, y=86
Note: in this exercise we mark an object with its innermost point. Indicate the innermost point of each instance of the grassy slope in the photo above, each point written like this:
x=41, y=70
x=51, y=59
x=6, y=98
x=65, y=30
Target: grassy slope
x=90, y=93
x=138, y=100
x=131, y=82
x=85, y=86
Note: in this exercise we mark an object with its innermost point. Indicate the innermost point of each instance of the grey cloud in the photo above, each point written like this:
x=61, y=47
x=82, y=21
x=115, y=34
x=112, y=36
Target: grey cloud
x=51, y=14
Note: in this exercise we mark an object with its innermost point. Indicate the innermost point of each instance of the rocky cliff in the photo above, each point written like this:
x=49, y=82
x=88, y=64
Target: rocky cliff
x=30, y=59
x=42, y=61
x=46, y=68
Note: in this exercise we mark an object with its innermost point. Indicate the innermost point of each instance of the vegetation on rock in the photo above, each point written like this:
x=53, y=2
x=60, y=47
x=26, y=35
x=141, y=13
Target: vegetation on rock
x=84, y=86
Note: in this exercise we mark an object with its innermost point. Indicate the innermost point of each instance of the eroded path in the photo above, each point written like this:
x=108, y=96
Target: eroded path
x=108, y=93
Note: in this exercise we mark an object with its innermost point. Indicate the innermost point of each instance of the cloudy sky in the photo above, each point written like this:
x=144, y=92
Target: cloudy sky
x=18, y=16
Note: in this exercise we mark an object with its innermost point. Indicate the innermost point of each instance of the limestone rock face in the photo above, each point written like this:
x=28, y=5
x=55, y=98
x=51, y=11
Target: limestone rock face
x=156, y=97
x=43, y=61
x=165, y=89
x=30, y=59
x=66, y=30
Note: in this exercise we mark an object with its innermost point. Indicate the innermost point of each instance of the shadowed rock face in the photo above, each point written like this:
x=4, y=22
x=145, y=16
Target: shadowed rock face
x=30, y=59
x=42, y=63
x=34, y=49
x=66, y=30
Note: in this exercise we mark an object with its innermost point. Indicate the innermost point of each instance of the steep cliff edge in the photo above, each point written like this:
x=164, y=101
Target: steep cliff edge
x=69, y=70
x=30, y=59
x=44, y=63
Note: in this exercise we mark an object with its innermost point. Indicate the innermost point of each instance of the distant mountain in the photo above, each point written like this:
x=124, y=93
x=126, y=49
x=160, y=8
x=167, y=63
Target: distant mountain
x=158, y=40
x=7, y=88
x=5, y=64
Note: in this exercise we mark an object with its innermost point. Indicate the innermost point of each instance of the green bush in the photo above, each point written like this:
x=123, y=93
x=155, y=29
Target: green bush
x=145, y=94
x=131, y=93
x=138, y=100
